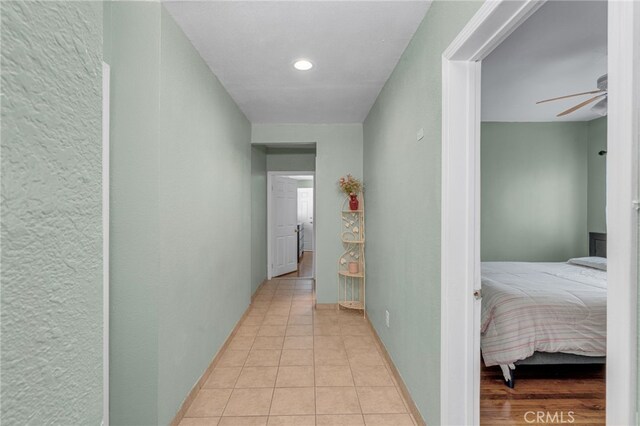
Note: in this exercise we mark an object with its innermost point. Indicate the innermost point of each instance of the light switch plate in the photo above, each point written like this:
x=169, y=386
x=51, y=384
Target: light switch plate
x=420, y=134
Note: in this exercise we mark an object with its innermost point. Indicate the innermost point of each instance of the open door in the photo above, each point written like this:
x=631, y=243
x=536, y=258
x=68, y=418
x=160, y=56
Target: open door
x=284, y=225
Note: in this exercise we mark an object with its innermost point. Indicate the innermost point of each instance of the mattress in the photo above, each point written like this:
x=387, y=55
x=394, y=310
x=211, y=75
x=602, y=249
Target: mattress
x=542, y=307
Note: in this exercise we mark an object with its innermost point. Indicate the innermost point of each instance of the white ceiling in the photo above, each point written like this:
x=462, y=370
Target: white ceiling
x=251, y=46
x=560, y=50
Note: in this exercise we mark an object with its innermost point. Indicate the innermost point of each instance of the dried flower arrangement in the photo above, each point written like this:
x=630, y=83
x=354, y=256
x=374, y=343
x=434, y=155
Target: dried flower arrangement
x=350, y=185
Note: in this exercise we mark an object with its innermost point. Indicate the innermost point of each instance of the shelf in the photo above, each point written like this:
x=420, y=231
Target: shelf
x=352, y=285
x=348, y=274
x=352, y=305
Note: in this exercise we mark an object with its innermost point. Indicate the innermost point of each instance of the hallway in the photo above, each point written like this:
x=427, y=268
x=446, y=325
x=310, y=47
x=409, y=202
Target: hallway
x=290, y=364
x=305, y=267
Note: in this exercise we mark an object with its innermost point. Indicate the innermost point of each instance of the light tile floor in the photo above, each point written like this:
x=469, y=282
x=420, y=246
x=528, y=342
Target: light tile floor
x=290, y=364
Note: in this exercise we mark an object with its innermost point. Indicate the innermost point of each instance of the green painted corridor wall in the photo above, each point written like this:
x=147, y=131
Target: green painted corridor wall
x=291, y=160
x=258, y=216
x=534, y=191
x=403, y=180
x=180, y=220
x=133, y=32
x=205, y=217
x=51, y=210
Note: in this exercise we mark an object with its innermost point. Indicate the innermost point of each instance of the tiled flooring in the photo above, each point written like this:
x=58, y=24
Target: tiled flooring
x=305, y=267
x=290, y=364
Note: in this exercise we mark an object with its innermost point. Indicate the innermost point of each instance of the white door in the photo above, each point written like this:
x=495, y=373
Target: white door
x=305, y=215
x=285, y=215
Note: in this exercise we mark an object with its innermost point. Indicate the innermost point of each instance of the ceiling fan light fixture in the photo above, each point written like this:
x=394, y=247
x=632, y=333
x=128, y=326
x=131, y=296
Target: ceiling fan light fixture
x=599, y=108
x=603, y=82
x=302, y=65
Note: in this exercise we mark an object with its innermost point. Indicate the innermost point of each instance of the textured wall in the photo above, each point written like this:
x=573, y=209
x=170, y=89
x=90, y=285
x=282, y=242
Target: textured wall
x=290, y=161
x=305, y=183
x=134, y=37
x=597, y=186
x=338, y=152
x=180, y=214
x=258, y=216
x=51, y=363
x=403, y=180
x=205, y=217
x=534, y=191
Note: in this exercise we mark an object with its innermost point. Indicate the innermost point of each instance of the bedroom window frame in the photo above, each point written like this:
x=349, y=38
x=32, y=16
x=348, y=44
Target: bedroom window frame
x=460, y=250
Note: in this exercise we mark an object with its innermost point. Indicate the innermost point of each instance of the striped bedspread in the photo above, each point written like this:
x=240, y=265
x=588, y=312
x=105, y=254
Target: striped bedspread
x=545, y=307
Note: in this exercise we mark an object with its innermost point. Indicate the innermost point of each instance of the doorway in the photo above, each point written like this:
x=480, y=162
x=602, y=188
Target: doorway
x=460, y=271
x=543, y=205
x=291, y=229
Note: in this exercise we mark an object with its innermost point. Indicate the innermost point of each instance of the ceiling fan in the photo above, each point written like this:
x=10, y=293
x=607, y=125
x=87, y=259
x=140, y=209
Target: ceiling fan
x=600, y=96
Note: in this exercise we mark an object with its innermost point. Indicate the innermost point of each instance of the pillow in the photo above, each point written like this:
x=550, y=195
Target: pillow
x=590, y=262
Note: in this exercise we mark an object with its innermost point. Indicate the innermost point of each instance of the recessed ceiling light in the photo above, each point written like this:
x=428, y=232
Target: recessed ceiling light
x=302, y=65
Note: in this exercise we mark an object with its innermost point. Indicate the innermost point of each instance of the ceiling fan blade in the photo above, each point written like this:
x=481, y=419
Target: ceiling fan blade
x=570, y=96
x=600, y=107
x=580, y=105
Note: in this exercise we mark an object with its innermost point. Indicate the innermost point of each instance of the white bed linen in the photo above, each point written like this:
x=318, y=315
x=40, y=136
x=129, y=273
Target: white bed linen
x=545, y=307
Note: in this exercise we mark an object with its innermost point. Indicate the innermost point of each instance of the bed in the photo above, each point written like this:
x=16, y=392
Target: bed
x=545, y=313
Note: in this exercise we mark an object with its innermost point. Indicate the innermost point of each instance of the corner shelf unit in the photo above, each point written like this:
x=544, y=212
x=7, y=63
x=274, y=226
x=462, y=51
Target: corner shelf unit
x=351, y=282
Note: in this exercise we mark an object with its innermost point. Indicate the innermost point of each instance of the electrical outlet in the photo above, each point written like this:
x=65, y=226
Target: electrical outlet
x=386, y=318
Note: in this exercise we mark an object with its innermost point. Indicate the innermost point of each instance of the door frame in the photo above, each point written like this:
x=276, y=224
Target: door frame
x=270, y=176
x=460, y=256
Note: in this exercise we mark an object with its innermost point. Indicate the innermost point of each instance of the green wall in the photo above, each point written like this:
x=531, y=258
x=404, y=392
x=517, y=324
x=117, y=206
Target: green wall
x=51, y=276
x=205, y=216
x=305, y=184
x=258, y=216
x=180, y=216
x=338, y=152
x=597, y=182
x=543, y=189
x=291, y=160
x=534, y=191
x=403, y=181
x=134, y=37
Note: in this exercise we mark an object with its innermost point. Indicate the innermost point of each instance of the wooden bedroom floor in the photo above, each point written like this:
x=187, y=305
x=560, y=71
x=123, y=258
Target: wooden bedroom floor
x=565, y=392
